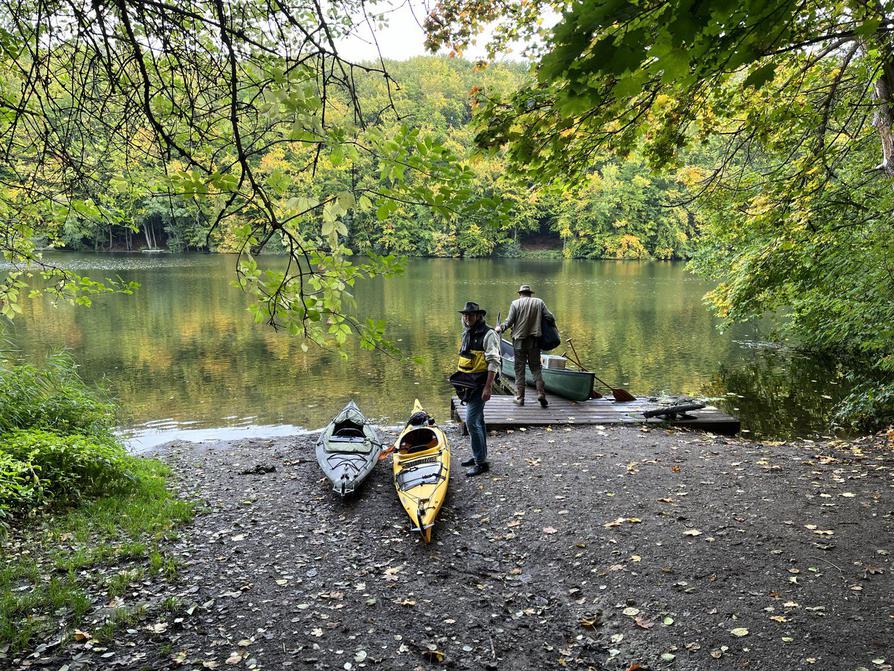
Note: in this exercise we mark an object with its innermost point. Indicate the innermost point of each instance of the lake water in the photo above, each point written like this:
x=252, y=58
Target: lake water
x=185, y=359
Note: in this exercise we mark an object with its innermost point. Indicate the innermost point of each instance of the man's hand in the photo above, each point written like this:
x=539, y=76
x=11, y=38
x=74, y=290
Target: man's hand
x=486, y=392
x=498, y=329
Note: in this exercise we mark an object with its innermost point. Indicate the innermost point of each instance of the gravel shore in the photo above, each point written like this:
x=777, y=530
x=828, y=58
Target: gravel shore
x=585, y=548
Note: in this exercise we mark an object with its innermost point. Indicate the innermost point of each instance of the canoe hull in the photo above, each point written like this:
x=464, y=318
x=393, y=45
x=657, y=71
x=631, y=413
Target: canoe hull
x=574, y=385
x=421, y=466
x=348, y=450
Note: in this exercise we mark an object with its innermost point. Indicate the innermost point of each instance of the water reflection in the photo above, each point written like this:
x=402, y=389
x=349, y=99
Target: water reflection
x=184, y=350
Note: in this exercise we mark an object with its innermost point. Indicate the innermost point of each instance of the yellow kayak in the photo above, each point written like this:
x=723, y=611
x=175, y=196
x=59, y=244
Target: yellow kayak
x=421, y=470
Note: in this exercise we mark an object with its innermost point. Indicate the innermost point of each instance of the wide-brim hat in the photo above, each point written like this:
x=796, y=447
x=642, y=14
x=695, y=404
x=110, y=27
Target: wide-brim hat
x=525, y=289
x=472, y=308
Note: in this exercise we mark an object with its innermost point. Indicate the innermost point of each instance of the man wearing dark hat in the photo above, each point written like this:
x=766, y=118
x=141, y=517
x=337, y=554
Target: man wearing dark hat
x=479, y=361
x=524, y=318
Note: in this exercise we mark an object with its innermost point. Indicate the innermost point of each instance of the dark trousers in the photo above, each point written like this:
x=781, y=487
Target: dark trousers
x=475, y=426
x=527, y=352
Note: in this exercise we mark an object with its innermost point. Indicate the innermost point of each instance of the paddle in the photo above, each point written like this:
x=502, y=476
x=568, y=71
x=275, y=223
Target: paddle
x=621, y=395
x=384, y=454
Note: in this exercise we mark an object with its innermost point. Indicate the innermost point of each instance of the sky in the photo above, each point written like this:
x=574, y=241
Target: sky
x=402, y=39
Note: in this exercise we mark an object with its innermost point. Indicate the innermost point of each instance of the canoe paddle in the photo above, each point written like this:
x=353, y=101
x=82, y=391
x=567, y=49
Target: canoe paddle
x=621, y=395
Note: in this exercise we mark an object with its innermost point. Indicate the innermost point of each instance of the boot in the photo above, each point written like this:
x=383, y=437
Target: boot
x=541, y=394
x=478, y=469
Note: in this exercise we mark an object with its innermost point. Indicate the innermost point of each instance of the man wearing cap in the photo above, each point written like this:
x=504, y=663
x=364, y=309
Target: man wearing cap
x=524, y=318
x=479, y=361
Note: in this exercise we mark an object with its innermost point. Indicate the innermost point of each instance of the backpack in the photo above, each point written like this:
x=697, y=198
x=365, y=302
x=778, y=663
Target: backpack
x=549, y=334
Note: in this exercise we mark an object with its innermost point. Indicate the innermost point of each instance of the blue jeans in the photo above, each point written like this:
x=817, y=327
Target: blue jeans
x=475, y=426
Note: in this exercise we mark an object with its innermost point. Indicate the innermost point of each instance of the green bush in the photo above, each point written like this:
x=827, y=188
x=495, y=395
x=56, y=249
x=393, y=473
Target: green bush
x=16, y=484
x=40, y=467
x=56, y=438
x=53, y=398
x=868, y=407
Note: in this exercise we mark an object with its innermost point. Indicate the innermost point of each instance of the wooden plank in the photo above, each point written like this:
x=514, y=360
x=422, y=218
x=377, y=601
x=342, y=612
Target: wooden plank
x=501, y=413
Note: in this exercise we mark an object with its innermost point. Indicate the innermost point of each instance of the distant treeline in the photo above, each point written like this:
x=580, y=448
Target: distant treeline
x=621, y=211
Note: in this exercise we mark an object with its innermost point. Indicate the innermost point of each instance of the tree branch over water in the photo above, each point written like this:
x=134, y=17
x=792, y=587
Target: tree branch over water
x=108, y=103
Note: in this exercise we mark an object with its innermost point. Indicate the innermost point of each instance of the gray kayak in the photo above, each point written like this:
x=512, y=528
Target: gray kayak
x=348, y=449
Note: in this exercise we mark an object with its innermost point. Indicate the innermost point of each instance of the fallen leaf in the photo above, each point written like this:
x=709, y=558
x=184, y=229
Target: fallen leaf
x=549, y=530
x=692, y=532
x=435, y=656
x=739, y=631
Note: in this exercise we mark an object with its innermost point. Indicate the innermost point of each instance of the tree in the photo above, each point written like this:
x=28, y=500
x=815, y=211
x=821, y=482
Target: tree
x=783, y=112
x=106, y=106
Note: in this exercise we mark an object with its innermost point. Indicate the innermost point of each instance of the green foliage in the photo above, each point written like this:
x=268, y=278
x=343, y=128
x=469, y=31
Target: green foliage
x=813, y=244
x=778, y=114
x=622, y=211
x=56, y=438
x=868, y=407
x=52, y=397
x=46, y=468
x=239, y=144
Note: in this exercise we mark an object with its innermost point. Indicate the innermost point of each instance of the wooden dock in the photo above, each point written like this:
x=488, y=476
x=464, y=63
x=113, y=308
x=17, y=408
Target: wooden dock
x=501, y=413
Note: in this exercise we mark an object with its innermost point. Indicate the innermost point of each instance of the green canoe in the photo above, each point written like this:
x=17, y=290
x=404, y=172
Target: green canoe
x=574, y=385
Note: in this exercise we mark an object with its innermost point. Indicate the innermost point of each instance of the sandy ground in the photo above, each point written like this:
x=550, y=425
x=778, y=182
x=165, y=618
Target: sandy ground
x=592, y=548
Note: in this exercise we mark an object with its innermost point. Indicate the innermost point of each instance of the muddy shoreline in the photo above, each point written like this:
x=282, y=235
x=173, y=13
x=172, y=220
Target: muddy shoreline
x=583, y=548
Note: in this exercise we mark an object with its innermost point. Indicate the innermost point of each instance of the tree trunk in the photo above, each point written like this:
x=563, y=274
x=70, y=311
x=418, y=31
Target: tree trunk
x=883, y=120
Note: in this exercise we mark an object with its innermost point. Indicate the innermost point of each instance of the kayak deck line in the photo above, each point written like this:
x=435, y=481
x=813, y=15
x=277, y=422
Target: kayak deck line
x=501, y=413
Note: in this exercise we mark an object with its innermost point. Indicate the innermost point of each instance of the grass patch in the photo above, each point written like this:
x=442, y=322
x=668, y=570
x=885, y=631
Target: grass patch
x=98, y=549
x=541, y=254
x=122, y=617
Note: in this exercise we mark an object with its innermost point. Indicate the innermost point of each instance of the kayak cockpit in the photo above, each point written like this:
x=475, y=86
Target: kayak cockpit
x=417, y=440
